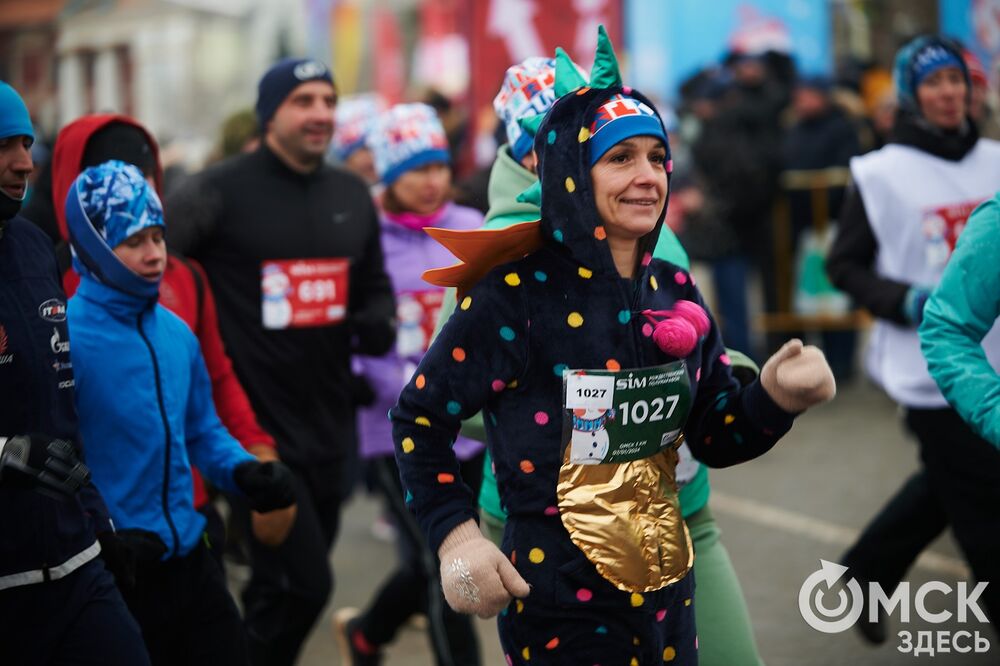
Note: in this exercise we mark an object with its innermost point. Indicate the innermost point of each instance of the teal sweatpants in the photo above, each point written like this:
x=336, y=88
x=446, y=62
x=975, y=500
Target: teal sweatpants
x=725, y=636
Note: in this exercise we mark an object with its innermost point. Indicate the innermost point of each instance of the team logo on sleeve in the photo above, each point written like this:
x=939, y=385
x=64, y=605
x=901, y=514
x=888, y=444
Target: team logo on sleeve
x=53, y=310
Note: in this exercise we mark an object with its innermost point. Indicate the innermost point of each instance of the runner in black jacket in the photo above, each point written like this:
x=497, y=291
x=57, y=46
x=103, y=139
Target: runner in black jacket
x=58, y=603
x=291, y=248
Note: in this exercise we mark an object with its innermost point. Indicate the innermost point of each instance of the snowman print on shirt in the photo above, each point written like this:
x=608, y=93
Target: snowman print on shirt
x=589, y=442
x=276, y=310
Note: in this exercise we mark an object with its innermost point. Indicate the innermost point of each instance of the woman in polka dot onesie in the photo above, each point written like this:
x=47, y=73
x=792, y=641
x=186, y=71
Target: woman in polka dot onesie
x=595, y=558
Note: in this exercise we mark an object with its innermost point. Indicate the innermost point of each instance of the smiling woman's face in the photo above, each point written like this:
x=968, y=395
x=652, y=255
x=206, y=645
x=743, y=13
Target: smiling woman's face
x=630, y=186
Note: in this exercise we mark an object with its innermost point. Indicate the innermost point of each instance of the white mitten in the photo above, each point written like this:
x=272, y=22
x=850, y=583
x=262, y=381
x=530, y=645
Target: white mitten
x=476, y=577
x=798, y=377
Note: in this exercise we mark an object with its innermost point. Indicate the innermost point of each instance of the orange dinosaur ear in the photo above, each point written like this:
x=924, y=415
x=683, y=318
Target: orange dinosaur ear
x=480, y=251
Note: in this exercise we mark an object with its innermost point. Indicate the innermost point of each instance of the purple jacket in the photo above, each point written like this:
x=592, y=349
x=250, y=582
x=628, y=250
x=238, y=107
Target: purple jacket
x=408, y=253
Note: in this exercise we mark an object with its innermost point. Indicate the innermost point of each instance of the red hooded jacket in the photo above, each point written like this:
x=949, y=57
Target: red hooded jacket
x=184, y=290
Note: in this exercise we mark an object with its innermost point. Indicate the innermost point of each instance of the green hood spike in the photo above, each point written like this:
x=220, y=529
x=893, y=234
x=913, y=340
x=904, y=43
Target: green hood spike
x=532, y=195
x=605, y=73
x=568, y=77
x=530, y=124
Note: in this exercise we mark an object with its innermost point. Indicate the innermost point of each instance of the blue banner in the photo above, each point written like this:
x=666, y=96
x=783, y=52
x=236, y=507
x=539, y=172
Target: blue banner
x=669, y=40
x=976, y=23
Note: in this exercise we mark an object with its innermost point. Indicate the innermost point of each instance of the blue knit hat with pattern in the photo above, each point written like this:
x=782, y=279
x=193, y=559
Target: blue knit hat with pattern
x=353, y=119
x=407, y=136
x=528, y=90
x=107, y=204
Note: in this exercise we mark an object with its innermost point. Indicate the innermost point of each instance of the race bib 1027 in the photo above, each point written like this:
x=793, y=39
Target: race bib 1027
x=617, y=416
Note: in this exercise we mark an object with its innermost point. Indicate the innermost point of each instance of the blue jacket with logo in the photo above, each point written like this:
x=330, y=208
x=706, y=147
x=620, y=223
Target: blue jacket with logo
x=147, y=414
x=36, y=391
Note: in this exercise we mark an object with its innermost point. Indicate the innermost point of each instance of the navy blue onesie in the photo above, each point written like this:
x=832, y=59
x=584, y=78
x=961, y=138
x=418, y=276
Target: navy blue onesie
x=565, y=306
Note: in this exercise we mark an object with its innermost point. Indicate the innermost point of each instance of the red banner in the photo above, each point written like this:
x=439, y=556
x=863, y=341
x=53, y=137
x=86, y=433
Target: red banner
x=505, y=32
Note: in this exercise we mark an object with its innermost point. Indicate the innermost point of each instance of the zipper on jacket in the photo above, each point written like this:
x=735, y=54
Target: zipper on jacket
x=166, y=430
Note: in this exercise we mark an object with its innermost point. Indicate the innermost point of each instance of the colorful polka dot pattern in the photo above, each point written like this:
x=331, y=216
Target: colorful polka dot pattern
x=571, y=315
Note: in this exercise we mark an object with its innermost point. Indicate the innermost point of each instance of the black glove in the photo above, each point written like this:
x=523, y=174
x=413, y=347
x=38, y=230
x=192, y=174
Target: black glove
x=267, y=485
x=124, y=550
x=51, y=464
x=373, y=335
x=362, y=393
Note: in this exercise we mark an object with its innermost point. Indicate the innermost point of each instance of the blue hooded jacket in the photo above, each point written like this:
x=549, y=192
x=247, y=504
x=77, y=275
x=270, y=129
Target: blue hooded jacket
x=143, y=395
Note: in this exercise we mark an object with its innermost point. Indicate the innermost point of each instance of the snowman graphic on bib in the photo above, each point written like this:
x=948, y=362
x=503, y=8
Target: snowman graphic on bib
x=589, y=442
x=276, y=310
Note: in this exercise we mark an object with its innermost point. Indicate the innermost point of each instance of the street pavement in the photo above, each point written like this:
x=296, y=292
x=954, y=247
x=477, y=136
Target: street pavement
x=780, y=515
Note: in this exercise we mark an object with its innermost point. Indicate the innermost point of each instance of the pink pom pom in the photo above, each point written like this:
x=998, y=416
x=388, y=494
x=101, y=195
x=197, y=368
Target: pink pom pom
x=627, y=90
x=676, y=336
x=695, y=314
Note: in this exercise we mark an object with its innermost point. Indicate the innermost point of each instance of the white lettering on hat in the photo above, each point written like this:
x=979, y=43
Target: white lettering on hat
x=310, y=69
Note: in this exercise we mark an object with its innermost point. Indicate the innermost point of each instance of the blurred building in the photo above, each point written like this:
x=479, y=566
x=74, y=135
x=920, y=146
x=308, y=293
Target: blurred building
x=179, y=66
x=28, y=34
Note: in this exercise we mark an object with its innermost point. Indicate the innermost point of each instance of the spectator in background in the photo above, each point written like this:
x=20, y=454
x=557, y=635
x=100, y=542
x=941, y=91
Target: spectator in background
x=411, y=156
x=879, y=96
x=352, y=119
x=256, y=222
x=821, y=136
x=982, y=106
x=738, y=157
x=240, y=134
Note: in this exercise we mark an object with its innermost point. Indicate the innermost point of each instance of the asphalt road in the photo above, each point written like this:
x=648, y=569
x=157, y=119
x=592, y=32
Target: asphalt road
x=780, y=515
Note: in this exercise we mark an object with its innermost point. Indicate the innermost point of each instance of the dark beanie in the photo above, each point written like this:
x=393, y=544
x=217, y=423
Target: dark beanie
x=119, y=141
x=284, y=77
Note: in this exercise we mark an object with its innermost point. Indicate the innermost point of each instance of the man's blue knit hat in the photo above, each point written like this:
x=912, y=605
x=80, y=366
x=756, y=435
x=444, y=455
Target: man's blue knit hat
x=14, y=117
x=284, y=77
